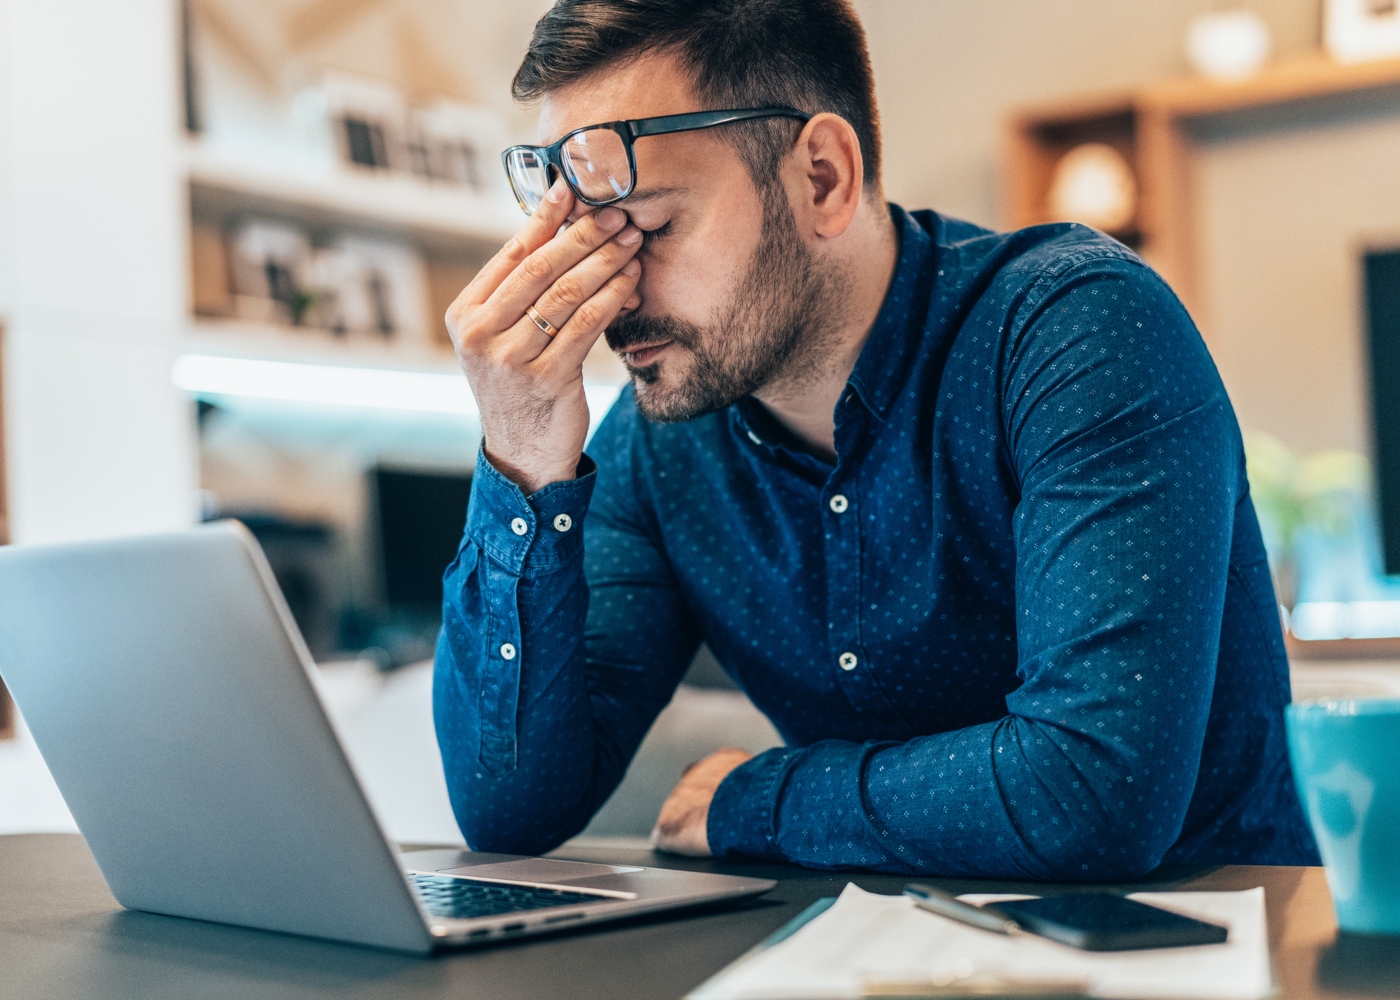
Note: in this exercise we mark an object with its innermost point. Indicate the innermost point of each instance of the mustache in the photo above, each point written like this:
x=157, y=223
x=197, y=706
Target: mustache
x=632, y=331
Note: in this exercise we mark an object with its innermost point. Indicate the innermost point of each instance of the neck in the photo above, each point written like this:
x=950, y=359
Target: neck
x=806, y=404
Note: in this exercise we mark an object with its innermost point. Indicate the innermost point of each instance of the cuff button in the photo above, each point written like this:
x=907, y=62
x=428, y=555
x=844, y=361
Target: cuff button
x=507, y=651
x=563, y=522
x=519, y=526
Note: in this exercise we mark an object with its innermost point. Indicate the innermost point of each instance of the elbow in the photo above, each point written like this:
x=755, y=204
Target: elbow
x=493, y=819
x=509, y=842
x=1107, y=860
x=1105, y=847
x=497, y=835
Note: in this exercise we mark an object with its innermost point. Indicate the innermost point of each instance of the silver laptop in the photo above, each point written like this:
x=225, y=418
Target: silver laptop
x=171, y=696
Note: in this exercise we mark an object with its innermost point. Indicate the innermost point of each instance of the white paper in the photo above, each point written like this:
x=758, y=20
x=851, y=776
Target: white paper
x=865, y=938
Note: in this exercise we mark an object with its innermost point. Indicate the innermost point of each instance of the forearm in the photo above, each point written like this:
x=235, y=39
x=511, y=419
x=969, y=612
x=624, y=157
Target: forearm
x=534, y=742
x=1009, y=799
x=510, y=702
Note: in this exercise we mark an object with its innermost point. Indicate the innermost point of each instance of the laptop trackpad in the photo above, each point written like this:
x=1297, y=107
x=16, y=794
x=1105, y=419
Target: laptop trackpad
x=539, y=870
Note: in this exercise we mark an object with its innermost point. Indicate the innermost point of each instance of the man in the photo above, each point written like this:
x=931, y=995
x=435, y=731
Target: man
x=964, y=513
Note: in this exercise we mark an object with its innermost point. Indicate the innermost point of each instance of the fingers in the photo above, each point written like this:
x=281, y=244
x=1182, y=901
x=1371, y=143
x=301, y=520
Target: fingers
x=582, y=281
x=544, y=266
x=537, y=231
x=577, y=336
x=681, y=826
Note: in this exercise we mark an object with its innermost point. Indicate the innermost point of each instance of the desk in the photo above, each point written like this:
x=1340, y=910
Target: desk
x=62, y=935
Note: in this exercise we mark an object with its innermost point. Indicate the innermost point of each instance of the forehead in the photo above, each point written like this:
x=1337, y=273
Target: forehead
x=644, y=87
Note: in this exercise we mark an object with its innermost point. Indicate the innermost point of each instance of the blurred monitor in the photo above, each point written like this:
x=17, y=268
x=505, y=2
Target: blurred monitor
x=420, y=519
x=1382, y=270
x=302, y=555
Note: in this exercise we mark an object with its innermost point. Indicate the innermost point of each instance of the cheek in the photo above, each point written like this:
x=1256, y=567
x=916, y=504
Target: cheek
x=690, y=278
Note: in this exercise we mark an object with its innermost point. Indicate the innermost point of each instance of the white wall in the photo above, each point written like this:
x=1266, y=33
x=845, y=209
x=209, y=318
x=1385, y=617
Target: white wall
x=92, y=285
x=1285, y=206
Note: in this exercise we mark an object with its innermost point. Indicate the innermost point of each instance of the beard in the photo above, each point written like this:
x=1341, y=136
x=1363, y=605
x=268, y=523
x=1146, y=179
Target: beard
x=769, y=332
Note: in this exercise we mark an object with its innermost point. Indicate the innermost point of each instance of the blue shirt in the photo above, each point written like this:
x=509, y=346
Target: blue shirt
x=1023, y=627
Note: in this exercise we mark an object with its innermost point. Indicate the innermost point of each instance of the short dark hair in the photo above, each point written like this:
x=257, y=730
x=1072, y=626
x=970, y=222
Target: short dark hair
x=808, y=54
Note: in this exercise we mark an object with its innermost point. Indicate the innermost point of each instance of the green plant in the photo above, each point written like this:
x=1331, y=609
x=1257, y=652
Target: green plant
x=1317, y=493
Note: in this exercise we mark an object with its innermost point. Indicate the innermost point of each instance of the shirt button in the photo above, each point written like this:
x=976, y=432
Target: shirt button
x=563, y=522
x=839, y=504
x=847, y=661
x=507, y=651
x=519, y=526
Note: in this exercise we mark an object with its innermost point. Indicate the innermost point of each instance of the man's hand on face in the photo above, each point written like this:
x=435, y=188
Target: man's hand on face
x=529, y=385
x=681, y=827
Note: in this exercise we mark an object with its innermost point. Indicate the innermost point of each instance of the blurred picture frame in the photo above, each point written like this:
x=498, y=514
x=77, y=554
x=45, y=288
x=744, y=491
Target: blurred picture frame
x=369, y=120
x=1362, y=30
x=456, y=143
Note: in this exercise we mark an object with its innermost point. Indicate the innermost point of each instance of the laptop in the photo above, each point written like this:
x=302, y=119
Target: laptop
x=171, y=696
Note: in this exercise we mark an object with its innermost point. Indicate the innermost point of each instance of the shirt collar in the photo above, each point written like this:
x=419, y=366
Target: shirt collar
x=890, y=348
x=893, y=343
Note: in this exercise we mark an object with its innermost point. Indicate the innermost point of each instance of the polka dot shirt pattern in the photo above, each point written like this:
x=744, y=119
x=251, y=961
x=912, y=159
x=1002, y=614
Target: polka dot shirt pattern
x=1023, y=627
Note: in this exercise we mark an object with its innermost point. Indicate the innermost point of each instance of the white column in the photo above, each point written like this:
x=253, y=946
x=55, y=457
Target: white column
x=92, y=268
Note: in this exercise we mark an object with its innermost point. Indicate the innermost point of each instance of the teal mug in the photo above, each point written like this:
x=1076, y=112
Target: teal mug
x=1346, y=760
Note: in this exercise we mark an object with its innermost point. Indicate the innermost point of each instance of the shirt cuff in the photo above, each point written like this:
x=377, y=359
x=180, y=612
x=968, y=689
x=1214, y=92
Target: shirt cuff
x=544, y=530
x=743, y=814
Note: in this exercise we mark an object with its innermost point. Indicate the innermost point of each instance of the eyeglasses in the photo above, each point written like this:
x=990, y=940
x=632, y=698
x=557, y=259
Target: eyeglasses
x=597, y=161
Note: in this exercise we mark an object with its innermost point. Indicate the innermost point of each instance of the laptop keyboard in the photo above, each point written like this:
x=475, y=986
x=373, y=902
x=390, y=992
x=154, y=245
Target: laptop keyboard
x=458, y=898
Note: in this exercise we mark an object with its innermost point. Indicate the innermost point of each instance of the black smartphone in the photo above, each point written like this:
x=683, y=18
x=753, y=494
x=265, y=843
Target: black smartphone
x=1101, y=921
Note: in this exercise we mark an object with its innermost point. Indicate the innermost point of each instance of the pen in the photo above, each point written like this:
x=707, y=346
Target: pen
x=945, y=904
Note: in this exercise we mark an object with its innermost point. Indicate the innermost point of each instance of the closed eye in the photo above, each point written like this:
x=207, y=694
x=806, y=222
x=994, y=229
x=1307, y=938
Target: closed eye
x=659, y=233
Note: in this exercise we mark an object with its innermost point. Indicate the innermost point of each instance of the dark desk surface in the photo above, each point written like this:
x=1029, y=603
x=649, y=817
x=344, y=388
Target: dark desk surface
x=62, y=935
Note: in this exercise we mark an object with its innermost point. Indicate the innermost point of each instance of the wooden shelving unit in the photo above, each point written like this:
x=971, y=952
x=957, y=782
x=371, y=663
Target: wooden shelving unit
x=454, y=229
x=1153, y=127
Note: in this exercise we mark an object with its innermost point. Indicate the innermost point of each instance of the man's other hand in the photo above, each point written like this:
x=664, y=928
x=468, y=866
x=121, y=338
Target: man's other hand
x=681, y=827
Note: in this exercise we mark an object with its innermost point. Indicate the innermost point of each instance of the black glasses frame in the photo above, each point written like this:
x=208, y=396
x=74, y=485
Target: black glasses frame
x=633, y=129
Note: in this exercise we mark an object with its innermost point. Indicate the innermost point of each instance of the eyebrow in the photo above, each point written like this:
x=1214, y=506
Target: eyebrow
x=651, y=194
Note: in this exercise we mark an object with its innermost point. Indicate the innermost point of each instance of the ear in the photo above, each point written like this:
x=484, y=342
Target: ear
x=827, y=154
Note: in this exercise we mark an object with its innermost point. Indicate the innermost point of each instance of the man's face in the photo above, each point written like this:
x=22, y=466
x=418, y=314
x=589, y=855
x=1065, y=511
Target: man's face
x=728, y=285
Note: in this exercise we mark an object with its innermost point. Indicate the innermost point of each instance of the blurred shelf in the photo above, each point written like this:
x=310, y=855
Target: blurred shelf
x=436, y=216
x=7, y=714
x=308, y=366
x=230, y=338
x=1342, y=649
x=1299, y=79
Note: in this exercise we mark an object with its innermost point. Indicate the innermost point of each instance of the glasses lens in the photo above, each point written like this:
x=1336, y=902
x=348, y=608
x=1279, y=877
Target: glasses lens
x=596, y=164
x=529, y=177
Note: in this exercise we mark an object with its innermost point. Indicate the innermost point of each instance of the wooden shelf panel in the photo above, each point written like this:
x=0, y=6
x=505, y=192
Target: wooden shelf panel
x=1342, y=649
x=7, y=714
x=1300, y=79
x=265, y=342
x=258, y=341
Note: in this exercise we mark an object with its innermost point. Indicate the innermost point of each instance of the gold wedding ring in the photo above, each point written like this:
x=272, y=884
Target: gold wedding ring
x=546, y=327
